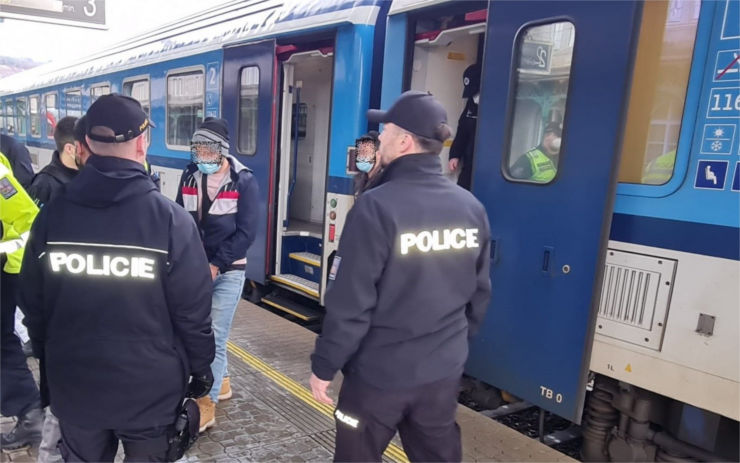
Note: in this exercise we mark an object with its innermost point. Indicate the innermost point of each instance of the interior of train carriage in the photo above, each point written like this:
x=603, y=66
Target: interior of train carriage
x=447, y=42
x=306, y=70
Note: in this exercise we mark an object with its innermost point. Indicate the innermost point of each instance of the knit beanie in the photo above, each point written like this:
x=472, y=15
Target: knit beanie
x=213, y=130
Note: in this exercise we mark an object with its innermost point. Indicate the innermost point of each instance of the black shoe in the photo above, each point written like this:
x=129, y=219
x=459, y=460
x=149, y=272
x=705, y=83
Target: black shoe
x=27, y=431
x=27, y=349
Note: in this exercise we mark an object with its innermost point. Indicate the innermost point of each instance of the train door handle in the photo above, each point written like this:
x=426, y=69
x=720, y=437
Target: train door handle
x=547, y=257
x=494, y=250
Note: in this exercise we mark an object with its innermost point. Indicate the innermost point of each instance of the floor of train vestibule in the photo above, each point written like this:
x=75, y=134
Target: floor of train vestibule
x=272, y=416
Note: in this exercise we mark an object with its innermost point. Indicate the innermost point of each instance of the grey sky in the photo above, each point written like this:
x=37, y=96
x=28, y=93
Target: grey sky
x=125, y=18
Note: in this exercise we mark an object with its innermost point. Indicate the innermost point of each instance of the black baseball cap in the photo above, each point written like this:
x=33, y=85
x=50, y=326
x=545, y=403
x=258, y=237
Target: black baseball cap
x=122, y=114
x=418, y=112
x=471, y=81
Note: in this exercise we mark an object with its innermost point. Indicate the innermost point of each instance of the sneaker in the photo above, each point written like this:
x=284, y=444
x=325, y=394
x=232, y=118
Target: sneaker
x=27, y=431
x=225, y=392
x=207, y=413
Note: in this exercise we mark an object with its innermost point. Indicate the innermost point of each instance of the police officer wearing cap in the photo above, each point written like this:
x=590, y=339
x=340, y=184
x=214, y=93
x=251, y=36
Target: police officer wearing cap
x=408, y=287
x=540, y=164
x=117, y=297
x=463, y=146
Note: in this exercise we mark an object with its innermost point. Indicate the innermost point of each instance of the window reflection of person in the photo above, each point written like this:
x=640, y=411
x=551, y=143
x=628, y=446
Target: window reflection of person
x=540, y=164
x=366, y=162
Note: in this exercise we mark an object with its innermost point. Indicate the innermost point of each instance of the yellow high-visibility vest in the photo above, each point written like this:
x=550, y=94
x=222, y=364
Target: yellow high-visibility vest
x=17, y=212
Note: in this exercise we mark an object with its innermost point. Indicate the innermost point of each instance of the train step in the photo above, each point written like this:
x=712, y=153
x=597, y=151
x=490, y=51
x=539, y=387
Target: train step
x=307, y=258
x=295, y=282
x=291, y=307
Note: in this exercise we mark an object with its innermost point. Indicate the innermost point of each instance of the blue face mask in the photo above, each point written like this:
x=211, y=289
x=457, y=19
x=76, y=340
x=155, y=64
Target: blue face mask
x=208, y=168
x=365, y=166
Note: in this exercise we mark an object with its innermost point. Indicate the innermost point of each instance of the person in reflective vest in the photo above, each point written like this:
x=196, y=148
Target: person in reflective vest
x=660, y=170
x=540, y=164
x=19, y=395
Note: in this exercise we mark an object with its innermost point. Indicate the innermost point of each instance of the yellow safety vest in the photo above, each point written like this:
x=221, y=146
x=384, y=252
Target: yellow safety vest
x=17, y=212
x=660, y=170
x=543, y=169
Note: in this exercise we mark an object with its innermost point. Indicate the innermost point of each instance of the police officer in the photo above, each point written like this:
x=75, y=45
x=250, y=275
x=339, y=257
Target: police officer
x=409, y=286
x=19, y=395
x=540, y=164
x=117, y=297
x=463, y=146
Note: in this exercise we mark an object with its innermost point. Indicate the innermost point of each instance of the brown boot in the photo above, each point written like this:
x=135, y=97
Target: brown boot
x=207, y=413
x=225, y=392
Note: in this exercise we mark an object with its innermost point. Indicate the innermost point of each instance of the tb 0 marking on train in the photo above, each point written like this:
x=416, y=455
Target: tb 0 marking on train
x=116, y=266
x=550, y=394
x=439, y=240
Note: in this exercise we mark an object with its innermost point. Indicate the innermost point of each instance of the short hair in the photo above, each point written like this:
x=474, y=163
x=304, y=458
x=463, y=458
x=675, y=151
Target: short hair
x=79, y=131
x=64, y=132
x=433, y=145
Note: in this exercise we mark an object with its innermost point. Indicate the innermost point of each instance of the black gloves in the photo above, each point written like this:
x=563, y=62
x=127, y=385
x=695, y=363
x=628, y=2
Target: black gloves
x=200, y=385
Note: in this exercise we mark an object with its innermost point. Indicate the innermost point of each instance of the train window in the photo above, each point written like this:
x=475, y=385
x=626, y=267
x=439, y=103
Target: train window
x=73, y=102
x=21, y=112
x=52, y=113
x=97, y=91
x=35, y=116
x=544, y=55
x=658, y=92
x=248, y=106
x=9, y=119
x=139, y=90
x=185, y=102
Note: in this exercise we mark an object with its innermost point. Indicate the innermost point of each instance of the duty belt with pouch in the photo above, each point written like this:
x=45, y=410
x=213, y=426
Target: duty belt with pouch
x=185, y=431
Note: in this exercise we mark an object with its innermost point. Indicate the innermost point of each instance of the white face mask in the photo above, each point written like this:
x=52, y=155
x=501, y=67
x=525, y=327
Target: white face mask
x=555, y=144
x=476, y=98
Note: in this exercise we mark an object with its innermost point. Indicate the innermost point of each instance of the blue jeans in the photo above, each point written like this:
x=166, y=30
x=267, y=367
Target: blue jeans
x=227, y=290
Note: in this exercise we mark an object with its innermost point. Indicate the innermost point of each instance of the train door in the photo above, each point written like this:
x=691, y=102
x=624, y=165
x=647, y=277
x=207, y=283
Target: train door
x=553, y=103
x=304, y=148
x=248, y=104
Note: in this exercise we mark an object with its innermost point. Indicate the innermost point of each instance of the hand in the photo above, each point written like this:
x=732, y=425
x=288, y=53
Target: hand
x=214, y=271
x=200, y=385
x=318, y=389
x=453, y=164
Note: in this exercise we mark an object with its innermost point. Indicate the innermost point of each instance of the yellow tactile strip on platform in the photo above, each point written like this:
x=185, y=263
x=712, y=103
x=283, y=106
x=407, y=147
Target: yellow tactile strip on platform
x=393, y=451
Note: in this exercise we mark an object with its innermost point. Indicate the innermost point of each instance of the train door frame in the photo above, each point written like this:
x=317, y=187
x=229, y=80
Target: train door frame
x=300, y=265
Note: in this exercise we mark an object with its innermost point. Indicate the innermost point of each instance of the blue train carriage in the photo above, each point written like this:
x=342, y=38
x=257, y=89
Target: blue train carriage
x=623, y=263
x=294, y=80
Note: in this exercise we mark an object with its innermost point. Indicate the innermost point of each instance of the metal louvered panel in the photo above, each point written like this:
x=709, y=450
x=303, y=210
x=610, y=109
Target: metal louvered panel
x=635, y=296
x=628, y=295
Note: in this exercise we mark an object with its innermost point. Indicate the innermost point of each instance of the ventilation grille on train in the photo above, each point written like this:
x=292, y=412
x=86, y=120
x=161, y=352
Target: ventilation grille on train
x=635, y=295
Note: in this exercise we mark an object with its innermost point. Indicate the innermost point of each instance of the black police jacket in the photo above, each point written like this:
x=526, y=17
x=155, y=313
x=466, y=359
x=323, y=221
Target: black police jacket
x=116, y=292
x=410, y=282
x=48, y=183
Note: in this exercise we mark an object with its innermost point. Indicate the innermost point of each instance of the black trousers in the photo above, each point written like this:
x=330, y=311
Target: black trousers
x=367, y=419
x=465, y=179
x=98, y=445
x=18, y=391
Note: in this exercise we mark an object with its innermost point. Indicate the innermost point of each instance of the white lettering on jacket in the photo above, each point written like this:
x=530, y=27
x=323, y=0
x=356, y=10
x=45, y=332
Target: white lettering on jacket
x=106, y=265
x=439, y=240
x=346, y=419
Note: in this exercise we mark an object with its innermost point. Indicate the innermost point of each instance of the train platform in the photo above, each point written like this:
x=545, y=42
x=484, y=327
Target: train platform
x=273, y=417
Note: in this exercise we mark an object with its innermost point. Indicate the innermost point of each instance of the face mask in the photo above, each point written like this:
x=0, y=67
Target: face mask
x=476, y=98
x=365, y=166
x=208, y=168
x=555, y=144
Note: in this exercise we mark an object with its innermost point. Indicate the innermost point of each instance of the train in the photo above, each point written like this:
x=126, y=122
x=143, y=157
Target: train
x=615, y=299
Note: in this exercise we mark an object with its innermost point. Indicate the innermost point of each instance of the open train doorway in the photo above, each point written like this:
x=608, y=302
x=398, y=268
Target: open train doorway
x=304, y=150
x=447, y=51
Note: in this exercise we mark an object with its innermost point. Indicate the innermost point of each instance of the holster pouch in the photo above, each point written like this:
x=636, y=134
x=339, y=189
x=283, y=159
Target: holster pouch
x=185, y=431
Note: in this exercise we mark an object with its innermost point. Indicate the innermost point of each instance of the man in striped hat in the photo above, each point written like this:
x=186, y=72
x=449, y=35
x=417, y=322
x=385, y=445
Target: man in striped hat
x=222, y=196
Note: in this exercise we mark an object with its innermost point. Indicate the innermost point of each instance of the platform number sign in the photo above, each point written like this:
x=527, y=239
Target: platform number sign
x=82, y=13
